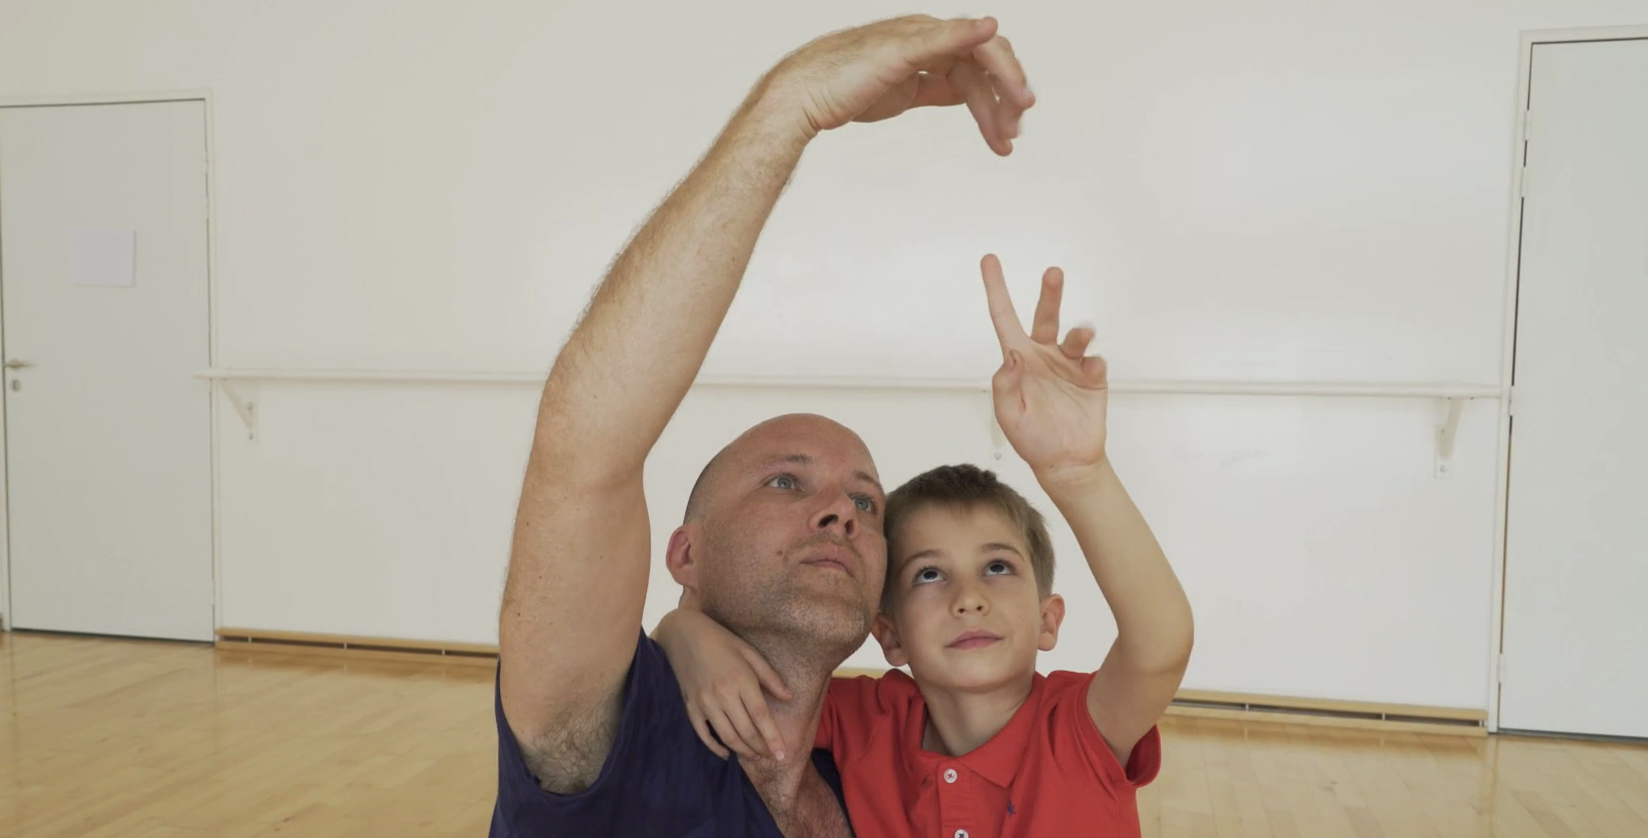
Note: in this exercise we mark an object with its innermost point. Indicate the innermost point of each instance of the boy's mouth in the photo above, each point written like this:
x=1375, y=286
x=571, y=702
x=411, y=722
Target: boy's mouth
x=974, y=639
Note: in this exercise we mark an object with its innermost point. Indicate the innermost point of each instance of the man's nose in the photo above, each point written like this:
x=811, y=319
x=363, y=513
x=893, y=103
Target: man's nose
x=841, y=513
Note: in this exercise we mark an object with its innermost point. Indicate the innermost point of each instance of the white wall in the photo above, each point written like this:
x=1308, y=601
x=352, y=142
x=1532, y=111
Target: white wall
x=1267, y=190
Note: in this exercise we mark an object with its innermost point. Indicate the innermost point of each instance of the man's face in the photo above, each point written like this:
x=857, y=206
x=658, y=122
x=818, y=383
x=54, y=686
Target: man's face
x=790, y=540
x=966, y=613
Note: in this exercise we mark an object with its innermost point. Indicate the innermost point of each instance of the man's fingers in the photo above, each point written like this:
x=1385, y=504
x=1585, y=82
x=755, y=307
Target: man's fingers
x=1008, y=329
x=997, y=58
x=1008, y=115
x=981, y=101
x=1045, y=327
x=1076, y=343
x=1008, y=82
x=704, y=734
x=981, y=68
x=935, y=90
x=936, y=38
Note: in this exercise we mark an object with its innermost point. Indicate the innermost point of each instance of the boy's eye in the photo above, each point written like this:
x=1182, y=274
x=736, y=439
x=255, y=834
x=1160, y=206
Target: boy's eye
x=997, y=568
x=782, y=481
x=928, y=574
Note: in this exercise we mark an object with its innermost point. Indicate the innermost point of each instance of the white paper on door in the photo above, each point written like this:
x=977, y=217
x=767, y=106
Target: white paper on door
x=102, y=256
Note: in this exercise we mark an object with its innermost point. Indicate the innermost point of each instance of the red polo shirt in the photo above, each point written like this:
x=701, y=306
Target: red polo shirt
x=1048, y=772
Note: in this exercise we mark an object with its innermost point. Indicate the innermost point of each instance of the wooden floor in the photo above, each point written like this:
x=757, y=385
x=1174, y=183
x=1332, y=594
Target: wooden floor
x=130, y=738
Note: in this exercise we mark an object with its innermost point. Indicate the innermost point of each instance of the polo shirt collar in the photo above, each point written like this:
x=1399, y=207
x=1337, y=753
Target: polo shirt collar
x=999, y=758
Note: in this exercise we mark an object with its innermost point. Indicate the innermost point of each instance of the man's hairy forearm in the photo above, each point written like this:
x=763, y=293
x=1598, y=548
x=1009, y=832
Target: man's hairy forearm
x=578, y=569
x=641, y=342
x=1153, y=620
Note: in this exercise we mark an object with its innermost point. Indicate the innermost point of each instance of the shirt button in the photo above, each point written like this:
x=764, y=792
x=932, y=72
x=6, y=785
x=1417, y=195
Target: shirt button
x=950, y=777
x=961, y=833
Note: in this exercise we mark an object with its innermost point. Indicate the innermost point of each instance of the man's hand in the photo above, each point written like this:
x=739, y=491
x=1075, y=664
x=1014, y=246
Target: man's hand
x=881, y=70
x=1050, y=399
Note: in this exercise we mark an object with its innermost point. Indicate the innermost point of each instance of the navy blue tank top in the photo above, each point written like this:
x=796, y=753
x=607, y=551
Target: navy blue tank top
x=658, y=779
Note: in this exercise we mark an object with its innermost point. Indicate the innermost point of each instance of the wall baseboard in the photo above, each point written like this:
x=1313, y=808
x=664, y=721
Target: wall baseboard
x=1313, y=712
x=1242, y=707
x=359, y=648
x=1318, y=712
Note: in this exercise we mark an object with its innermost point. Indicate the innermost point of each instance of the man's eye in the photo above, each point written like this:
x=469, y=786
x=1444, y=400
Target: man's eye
x=865, y=503
x=782, y=481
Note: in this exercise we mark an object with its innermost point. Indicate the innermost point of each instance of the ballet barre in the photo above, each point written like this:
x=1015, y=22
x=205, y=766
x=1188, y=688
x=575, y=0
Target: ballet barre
x=1450, y=397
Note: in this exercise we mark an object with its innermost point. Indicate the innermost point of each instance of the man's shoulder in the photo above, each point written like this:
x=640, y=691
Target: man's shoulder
x=648, y=695
x=589, y=771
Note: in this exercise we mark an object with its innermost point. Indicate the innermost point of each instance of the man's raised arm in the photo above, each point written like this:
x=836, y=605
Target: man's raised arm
x=580, y=559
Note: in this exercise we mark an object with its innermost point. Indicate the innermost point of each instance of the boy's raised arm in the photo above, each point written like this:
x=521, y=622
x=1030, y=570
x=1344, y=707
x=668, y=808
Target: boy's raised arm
x=1051, y=403
x=1153, y=623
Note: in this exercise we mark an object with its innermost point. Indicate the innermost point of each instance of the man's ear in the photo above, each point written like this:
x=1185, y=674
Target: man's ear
x=679, y=558
x=1052, y=615
x=891, y=644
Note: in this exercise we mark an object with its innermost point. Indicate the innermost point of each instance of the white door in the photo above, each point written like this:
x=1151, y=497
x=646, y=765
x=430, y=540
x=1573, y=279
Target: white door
x=108, y=458
x=1576, y=573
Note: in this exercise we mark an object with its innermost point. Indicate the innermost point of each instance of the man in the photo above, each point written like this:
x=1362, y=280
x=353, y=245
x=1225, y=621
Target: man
x=782, y=541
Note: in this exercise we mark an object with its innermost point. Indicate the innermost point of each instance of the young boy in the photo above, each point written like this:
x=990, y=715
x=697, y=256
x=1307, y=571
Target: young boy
x=974, y=742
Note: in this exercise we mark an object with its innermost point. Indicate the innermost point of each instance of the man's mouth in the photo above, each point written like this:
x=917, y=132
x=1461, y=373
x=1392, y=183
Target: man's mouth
x=833, y=557
x=974, y=639
x=829, y=563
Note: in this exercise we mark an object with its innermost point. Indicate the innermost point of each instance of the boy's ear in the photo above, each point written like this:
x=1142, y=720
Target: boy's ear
x=1052, y=615
x=891, y=644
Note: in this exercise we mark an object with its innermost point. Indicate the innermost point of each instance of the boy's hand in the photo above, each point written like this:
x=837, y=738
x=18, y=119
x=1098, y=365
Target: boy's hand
x=721, y=679
x=1050, y=400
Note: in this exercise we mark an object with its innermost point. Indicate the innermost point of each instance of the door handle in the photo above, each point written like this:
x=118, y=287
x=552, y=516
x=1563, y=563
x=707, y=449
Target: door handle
x=15, y=364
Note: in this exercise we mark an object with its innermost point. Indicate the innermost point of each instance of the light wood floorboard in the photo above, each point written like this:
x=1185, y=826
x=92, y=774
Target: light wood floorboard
x=102, y=737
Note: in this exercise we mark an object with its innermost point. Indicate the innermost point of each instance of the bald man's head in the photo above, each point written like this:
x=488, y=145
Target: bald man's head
x=782, y=534
x=701, y=488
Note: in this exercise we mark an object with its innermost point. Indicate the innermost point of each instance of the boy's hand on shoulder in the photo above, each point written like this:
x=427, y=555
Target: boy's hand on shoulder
x=722, y=681
x=1050, y=398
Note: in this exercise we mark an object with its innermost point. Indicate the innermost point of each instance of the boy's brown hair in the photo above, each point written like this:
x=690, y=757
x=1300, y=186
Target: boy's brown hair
x=968, y=487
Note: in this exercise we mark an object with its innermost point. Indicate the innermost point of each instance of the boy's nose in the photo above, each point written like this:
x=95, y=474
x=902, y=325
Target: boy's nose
x=971, y=601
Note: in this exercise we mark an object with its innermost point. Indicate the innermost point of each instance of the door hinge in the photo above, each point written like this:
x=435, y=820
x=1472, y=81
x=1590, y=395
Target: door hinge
x=1510, y=400
x=1527, y=125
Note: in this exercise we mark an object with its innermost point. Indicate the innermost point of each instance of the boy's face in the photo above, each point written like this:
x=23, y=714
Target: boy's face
x=965, y=611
